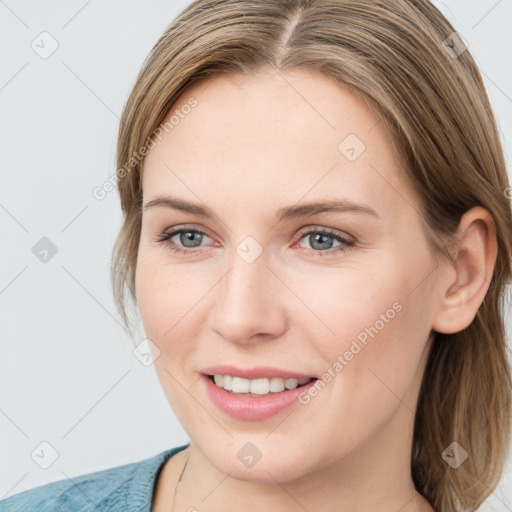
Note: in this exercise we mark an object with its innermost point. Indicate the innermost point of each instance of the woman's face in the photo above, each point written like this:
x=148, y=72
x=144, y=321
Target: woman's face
x=348, y=293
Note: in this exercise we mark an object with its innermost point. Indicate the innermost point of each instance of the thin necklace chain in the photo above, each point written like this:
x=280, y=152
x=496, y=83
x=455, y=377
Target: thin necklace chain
x=179, y=480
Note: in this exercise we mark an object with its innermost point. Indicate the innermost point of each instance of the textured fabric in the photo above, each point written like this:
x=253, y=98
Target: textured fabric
x=127, y=488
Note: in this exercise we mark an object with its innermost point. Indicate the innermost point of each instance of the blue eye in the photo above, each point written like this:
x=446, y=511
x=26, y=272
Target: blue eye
x=187, y=237
x=320, y=240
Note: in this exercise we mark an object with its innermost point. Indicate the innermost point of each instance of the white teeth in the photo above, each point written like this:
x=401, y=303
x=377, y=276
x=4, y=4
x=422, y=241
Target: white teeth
x=291, y=383
x=239, y=385
x=257, y=386
x=276, y=384
x=227, y=382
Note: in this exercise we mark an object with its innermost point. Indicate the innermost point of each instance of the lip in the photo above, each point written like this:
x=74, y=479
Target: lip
x=257, y=372
x=252, y=408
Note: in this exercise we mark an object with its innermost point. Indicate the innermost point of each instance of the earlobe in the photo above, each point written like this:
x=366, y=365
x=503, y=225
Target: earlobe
x=473, y=259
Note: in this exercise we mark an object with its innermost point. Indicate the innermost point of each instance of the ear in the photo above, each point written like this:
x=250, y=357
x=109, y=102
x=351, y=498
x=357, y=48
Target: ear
x=473, y=259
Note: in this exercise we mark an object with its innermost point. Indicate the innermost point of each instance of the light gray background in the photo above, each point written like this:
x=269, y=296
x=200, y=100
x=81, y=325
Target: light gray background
x=68, y=375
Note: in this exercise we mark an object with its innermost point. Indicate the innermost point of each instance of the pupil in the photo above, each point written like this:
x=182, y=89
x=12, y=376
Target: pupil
x=189, y=236
x=320, y=239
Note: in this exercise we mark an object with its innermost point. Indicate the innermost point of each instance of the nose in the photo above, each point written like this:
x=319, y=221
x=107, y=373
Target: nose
x=249, y=303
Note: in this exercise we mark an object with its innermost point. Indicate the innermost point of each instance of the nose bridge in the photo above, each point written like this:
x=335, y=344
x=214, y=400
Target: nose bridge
x=247, y=300
x=244, y=281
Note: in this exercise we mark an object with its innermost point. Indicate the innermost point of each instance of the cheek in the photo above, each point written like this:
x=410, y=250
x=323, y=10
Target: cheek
x=173, y=300
x=165, y=297
x=378, y=329
x=164, y=293
x=371, y=364
x=353, y=304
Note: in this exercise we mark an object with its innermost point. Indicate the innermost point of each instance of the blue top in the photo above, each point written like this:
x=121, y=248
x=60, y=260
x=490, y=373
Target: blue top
x=126, y=488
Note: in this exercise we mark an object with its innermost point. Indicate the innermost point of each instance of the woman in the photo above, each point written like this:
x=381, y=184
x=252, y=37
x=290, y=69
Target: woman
x=317, y=236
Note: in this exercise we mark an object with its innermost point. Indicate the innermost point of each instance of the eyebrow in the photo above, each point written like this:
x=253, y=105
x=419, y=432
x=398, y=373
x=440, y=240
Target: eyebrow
x=287, y=212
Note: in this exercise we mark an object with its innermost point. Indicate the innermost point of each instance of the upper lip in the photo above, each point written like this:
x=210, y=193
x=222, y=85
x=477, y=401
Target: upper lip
x=256, y=372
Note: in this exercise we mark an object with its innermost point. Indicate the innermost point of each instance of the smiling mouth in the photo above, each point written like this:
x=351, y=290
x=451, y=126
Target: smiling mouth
x=257, y=387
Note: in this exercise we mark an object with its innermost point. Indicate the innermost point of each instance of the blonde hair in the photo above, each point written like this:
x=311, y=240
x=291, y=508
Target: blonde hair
x=404, y=58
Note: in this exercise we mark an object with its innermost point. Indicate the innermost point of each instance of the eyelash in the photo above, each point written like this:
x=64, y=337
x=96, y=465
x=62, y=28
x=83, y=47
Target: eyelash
x=165, y=239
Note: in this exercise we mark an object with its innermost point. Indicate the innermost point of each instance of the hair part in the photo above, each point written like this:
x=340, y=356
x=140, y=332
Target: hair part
x=438, y=115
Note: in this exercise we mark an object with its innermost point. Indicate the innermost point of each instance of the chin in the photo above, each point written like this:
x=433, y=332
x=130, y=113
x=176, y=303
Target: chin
x=280, y=466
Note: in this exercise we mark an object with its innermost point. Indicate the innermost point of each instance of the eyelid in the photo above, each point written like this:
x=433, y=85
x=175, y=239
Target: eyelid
x=169, y=233
x=300, y=233
x=333, y=232
x=174, y=230
x=346, y=241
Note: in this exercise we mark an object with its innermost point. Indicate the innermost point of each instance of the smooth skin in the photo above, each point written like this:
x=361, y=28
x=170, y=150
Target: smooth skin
x=253, y=145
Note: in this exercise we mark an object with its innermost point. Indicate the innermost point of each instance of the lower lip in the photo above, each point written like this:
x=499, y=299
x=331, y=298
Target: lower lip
x=253, y=408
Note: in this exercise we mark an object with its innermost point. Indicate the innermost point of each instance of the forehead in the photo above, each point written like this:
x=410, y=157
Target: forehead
x=278, y=135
